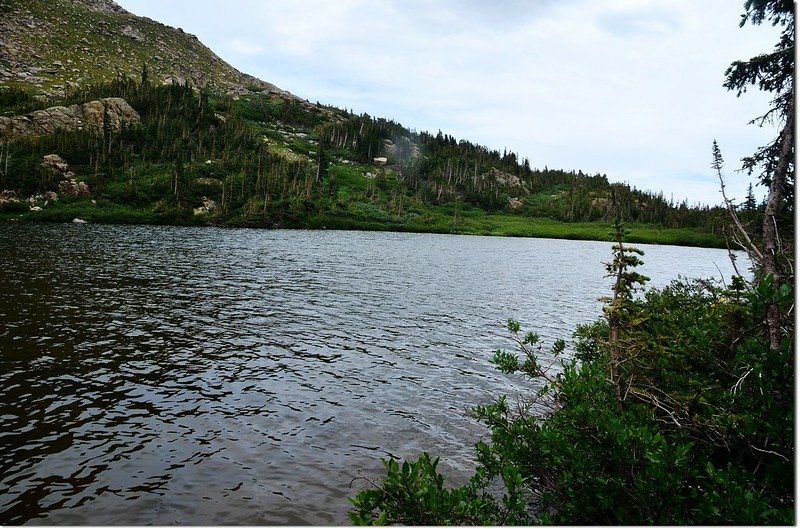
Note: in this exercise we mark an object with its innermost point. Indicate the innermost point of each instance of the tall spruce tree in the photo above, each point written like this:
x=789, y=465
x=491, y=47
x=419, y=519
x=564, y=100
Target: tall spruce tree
x=750, y=199
x=772, y=72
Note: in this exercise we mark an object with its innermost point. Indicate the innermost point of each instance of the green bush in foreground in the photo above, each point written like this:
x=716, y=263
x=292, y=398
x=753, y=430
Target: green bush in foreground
x=674, y=410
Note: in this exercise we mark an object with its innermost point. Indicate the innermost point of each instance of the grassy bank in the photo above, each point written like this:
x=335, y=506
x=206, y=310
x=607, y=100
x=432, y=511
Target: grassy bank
x=430, y=220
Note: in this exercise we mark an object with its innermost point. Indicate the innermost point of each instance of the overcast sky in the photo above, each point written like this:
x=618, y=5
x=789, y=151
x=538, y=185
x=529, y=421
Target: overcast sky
x=628, y=88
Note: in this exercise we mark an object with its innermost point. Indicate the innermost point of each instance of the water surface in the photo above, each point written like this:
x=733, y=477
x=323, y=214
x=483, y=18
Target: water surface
x=168, y=375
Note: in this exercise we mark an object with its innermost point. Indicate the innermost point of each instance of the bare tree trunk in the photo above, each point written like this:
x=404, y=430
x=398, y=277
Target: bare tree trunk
x=740, y=235
x=613, y=338
x=772, y=245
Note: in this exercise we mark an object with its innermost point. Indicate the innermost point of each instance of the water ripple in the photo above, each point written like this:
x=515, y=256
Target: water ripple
x=162, y=375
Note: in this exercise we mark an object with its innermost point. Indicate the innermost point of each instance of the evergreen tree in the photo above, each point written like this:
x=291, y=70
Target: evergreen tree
x=774, y=73
x=145, y=84
x=750, y=200
x=107, y=129
x=771, y=72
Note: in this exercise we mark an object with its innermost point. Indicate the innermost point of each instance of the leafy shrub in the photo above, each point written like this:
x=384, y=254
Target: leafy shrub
x=702, y=431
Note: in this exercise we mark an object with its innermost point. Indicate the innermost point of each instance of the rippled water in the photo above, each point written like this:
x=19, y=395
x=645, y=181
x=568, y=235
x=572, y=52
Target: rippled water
x=163, y=375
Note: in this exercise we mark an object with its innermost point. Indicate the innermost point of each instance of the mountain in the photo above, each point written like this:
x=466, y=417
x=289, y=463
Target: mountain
x=112, y=117
x=55, y=45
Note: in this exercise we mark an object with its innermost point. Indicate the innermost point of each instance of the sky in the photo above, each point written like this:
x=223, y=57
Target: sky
x=627, y=88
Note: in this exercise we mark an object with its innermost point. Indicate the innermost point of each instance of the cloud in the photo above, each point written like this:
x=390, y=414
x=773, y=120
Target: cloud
x=308, y=29
x=245, y=48
x=640, y=19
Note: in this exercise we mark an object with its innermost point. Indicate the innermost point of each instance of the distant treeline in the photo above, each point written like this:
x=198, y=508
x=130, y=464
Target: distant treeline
x=446, y=170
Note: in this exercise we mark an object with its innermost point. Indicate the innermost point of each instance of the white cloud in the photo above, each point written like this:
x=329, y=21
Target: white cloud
x=245, y=48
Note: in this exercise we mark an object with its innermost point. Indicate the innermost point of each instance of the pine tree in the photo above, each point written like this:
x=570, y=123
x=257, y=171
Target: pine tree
x=617, y=313
x=750, y=200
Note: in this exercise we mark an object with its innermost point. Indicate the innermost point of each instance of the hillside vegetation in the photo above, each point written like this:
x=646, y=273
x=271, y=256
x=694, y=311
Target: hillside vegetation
x=215, y=146
x=267, y=161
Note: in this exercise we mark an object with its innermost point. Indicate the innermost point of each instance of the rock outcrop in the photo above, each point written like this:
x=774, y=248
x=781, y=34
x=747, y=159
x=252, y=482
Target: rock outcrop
x=88, y=116
x=66, y=178
x=514, y=203
x=132, y=32
x=502, y=178
x=104, y=6
x=9, y=201
x=8, y=196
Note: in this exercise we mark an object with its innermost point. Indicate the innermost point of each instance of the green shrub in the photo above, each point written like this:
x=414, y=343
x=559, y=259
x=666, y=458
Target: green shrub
x=702, y=431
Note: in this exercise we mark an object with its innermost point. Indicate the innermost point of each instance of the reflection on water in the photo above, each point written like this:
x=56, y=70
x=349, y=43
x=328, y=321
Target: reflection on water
x=162, y=375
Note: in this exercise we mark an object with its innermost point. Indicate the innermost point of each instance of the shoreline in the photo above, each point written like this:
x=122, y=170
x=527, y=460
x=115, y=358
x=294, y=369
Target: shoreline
x=494, y=225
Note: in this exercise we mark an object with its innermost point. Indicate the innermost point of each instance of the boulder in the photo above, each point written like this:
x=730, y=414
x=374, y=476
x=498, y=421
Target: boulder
x=54, y=161
x=207, y=207
x=7, y=195
x=73, y=188
x=380, y=160
x=133, y=33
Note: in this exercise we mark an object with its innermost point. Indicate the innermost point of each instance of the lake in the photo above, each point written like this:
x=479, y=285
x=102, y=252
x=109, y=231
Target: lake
x=172, y=375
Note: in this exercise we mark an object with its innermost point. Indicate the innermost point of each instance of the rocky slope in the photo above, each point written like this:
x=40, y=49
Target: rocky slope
x=54, y=45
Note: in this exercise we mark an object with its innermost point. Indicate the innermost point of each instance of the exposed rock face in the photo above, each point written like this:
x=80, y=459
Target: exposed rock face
x=55, y=162
x=502, y=178
x=207, y=207
x=87, y=116
x=404, y=150
x=67, y=183
x=6, y=195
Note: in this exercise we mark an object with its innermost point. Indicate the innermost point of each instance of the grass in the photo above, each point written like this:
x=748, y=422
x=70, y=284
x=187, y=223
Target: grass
x=369, y=217
x=102, y=213
x=504, y=225
x=518, y=226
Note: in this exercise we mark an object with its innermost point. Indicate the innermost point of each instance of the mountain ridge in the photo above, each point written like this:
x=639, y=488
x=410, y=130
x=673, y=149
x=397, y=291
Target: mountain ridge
x=57, y=45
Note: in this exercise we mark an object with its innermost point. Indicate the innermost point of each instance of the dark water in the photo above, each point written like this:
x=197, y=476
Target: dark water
x=163, y=375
